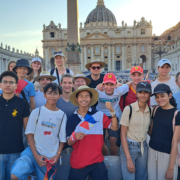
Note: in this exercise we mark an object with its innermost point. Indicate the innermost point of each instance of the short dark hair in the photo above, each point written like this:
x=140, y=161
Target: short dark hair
x=67, y=75
x=82, y=91
x=54, y=88
x=177, y=75
x=9, y=73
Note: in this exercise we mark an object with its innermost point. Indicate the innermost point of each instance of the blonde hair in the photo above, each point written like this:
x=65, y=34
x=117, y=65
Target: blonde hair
x=31, y=76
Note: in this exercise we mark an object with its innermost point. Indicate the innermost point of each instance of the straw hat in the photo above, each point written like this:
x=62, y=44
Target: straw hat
x=95, y=95
x=88, y=65
x=45, y=74
x=81, y=75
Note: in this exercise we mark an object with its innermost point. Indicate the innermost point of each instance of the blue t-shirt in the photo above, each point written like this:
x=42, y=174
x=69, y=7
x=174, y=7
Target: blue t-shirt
x=177, y=97
x=29, y=90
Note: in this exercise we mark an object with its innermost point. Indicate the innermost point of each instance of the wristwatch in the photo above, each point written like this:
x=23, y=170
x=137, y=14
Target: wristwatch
x=114, y=113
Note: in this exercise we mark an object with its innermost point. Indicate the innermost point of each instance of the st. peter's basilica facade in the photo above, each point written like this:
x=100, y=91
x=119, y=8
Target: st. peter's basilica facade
x=101, y=37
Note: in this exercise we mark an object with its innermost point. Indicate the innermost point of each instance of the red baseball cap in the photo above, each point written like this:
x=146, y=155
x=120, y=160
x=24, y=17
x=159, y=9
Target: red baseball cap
x=109, y=77
x=137, y=69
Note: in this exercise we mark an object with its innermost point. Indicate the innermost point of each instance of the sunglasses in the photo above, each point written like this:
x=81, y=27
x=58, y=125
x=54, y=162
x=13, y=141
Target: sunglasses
x=60, y=52
x=94, y=67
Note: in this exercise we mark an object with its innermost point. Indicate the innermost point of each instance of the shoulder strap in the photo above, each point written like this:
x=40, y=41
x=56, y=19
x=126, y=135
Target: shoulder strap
x=174, y=119
x=57, y=73
x=33, y=82
x=61, y=124
x=52, y=71
x=124, y=99
x=38, y=115
x=130, y=113
x=23, y=95
x=149, y=110
x=154, y=111
x=68, y=71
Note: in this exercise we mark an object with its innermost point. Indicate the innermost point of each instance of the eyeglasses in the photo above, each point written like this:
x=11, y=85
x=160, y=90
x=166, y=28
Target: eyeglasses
x=94, y=67
x=10, y=82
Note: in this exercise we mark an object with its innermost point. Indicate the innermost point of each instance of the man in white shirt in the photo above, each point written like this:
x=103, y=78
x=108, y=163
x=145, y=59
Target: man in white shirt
x=113, y=95
x=43, y=79
x=46, y=135
x=164, y=67
x=59, y=60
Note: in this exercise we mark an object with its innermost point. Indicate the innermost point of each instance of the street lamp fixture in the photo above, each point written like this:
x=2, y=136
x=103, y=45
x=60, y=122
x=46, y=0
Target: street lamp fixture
x=160, y=49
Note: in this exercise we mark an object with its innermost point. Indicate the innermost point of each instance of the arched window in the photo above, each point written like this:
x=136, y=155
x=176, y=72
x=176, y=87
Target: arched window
x=142, y=48
x=105, y=50
x=89, y=51
x=52, y=51
x=117, y=49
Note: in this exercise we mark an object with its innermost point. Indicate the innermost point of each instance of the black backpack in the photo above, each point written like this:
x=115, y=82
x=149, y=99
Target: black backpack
x=57, y=73
x=118, y=142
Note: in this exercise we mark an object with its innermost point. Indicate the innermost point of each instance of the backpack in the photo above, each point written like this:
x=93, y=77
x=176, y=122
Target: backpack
x=173, y=123
x=118, y=142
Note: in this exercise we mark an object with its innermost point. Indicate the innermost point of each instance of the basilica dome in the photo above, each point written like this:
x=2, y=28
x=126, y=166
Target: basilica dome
x=100, y=14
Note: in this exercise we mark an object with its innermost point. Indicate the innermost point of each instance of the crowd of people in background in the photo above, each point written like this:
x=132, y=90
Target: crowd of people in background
x=44, y=114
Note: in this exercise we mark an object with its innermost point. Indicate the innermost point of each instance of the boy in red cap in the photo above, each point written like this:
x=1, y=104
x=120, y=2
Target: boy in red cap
x=137, y=76
x=111, y=94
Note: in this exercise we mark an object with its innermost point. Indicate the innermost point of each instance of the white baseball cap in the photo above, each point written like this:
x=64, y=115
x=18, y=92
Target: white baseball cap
x=58, y=54
x=163, y=61
x=36, y=59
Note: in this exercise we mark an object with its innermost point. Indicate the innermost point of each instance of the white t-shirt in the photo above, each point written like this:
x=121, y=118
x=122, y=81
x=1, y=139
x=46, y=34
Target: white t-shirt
x=60, y=75
x=39, y=98
x=49, y=131
x=114, y=99
x=171, y=83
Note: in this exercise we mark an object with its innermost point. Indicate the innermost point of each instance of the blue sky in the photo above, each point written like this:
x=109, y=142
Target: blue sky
x=21, y=21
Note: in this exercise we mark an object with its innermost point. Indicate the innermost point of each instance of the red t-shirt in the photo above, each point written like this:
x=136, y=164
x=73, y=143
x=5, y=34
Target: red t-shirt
x=130, y=98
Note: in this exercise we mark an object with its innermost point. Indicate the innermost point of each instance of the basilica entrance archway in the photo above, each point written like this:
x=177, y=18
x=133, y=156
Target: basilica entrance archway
x=143, y=57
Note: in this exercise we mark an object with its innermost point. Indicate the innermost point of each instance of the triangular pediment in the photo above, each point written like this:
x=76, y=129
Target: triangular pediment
x=97, y=35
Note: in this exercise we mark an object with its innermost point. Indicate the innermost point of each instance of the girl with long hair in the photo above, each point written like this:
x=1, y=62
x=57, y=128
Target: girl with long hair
x=11, y=65
x=165, y=134
x=36, y=66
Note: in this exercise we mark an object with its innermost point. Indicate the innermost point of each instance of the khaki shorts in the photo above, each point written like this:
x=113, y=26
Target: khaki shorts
x=158, y=164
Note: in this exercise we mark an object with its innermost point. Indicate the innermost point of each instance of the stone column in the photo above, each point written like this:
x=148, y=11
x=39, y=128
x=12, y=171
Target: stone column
x=85, y=57
x=123, y=57
x=46, y=58
x=109, y=57
x=135, y=53
x=82, y=62
x=6, y=64
x=113, y=61
x=1, y=63
x=149, y=63
x=92, y=54
x=102, y=53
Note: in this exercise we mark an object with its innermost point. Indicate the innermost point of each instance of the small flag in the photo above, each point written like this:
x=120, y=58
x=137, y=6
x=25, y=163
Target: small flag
x=147, y=75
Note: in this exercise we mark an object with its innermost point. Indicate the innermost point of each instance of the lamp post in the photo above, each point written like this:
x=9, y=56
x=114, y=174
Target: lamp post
x=160, y=49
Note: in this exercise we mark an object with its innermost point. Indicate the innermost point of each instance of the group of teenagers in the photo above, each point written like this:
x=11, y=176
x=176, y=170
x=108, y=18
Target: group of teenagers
x=58, y=111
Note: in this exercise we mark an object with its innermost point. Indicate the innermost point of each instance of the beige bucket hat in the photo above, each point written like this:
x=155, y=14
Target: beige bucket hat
x=81, y=75
x=88, y=65
x=95, y=95
x=45, y=74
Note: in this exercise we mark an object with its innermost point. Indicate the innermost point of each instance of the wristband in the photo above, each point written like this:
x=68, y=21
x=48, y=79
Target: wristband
x=114, y=113
x=73, y=138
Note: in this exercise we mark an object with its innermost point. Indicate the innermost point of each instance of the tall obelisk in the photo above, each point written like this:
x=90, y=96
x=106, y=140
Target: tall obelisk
x=73, y=36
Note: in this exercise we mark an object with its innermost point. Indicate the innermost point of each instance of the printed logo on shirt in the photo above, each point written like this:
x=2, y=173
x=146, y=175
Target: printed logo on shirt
x=14, y=113
x=109, y=100
x=48, y=124
x=47, y=132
